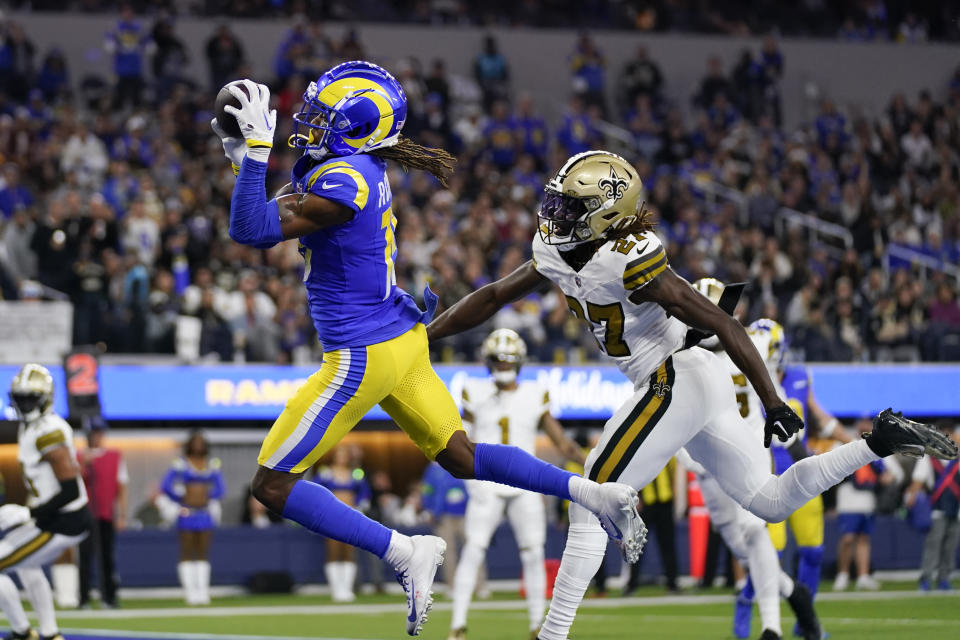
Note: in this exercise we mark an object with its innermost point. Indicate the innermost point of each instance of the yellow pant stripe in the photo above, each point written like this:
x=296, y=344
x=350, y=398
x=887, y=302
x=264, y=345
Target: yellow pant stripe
x=630, y=435
x=26, y=550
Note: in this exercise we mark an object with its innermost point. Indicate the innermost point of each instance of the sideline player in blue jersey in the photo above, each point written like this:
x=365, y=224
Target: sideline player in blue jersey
x=339, y=206
x=806, y=523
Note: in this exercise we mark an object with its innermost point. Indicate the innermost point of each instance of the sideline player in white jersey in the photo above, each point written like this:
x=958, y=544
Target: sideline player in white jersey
x=56, y=515
x=503, y=410
x=746, y=534
x=614, y=273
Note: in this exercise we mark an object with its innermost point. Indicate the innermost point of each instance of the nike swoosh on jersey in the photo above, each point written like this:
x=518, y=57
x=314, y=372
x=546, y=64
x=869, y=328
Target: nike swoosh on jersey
x=325, y=185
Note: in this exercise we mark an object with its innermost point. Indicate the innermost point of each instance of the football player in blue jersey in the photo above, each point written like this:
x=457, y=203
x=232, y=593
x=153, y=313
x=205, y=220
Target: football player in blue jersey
x=806, y=523
x=339, y=206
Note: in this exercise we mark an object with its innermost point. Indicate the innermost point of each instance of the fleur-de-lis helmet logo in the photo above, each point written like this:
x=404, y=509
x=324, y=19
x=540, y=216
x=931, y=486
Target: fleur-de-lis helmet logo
x=612, y=186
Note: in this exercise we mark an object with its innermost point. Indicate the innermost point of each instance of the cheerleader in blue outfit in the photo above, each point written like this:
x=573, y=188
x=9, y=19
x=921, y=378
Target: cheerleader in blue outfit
x=346, y=481
x=195, y=483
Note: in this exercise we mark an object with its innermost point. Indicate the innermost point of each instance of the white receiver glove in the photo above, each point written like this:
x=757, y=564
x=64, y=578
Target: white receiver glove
x=257, y=120
x=13, y=515
x=234, y=148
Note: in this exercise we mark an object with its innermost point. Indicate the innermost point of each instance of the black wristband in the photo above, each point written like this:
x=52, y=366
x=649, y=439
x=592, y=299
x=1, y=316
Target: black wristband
x=69, y=491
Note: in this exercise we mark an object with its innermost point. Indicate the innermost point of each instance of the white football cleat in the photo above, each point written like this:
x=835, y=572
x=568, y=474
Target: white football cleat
x=417, y=579
x=619, y=518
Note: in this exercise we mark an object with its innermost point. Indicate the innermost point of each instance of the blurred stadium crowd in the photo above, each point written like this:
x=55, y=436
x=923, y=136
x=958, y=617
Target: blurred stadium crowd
x=115, y=194
x=856, y=20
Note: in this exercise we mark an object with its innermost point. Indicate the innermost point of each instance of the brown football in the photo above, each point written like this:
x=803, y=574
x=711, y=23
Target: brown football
x=226, y=120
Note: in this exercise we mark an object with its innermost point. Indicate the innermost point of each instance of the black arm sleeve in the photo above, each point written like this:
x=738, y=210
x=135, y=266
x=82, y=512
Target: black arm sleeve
x=69, y=491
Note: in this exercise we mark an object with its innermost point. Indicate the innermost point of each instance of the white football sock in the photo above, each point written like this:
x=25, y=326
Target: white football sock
x=786, y=585
x=584, y=492
x=11, y=605
x=203, y=581
x=66, y=585
x=535, y=582
x=464, y=582
x=765, y=572
x=583, y=555
x=399, y=551
x=782, y=495
x=41, y=597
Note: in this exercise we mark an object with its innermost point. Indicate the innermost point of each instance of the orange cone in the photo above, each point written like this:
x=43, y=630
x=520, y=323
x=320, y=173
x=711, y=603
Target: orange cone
x=699, y=526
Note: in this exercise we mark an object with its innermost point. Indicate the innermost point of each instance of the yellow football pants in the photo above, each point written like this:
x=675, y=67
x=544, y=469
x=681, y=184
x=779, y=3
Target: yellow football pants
x=806, y=524
x=395, y=374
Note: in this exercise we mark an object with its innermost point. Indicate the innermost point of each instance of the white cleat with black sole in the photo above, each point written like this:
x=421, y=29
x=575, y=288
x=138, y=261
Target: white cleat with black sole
x=417, y=579
x=620, y=519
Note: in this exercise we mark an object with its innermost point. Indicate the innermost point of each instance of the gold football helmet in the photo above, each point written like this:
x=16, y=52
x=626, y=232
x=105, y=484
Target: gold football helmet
x=593, y=192
x=31, y=391
x=504, y=345
x=711, y=288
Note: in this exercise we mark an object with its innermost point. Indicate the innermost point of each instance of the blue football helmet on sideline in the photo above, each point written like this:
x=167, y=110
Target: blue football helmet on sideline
x=353, y=108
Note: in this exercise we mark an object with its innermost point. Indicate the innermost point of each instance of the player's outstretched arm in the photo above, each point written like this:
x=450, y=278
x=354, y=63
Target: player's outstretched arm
x=476, y=308
x=679, y=299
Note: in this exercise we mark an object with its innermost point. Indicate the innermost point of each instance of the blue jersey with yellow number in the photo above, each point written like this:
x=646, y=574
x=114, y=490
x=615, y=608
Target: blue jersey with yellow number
x=349, y=268
x=796, y=386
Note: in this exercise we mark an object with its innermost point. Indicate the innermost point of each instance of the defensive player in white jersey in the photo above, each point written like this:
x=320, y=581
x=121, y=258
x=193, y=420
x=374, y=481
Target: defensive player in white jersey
x=597, y=244
x=503, y=410
x=56, y=515
x=746, y=534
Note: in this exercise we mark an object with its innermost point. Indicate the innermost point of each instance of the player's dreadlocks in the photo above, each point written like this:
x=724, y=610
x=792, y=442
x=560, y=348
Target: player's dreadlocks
x=640, y=223
x=410, y=155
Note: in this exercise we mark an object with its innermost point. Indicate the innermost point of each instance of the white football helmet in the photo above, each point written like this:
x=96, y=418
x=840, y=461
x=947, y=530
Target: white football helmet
x=31, y=391
x=504, y=345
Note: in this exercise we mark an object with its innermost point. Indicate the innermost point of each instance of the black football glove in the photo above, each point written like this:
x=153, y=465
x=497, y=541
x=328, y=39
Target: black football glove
x=781, y=422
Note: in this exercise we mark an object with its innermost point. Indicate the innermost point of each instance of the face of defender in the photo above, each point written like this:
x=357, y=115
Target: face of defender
x=504, y=373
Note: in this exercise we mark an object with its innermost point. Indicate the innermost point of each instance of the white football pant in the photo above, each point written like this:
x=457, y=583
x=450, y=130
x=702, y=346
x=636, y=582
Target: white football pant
x=689, y=402
x=527, y=515
x=26, y=549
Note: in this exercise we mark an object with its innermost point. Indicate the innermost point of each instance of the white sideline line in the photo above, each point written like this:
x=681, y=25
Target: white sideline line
x=113, y=633
x=498, y=605
x=827, y=622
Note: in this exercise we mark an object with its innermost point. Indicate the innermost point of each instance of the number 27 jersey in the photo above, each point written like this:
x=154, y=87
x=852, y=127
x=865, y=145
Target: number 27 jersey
x=638, y=337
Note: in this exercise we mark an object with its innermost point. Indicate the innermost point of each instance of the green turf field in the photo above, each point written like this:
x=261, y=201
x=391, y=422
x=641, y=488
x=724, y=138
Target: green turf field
x=887, y=615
